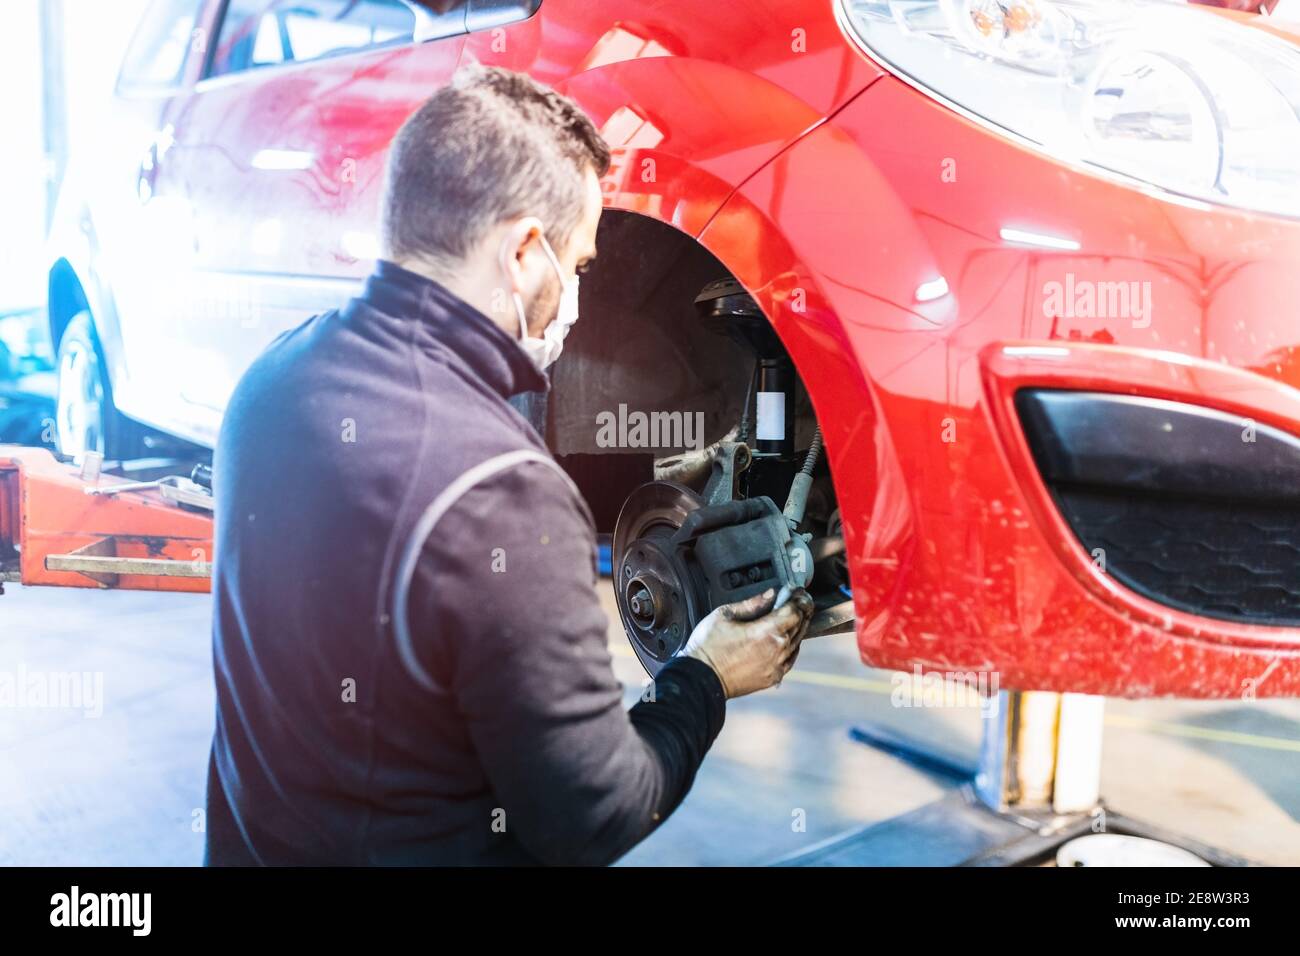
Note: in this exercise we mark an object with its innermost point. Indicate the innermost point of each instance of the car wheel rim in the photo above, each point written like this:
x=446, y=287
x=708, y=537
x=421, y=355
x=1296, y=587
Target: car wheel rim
x=80, y=409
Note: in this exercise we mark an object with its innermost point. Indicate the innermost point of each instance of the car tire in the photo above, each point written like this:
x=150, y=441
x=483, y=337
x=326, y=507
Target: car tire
x=85, y=417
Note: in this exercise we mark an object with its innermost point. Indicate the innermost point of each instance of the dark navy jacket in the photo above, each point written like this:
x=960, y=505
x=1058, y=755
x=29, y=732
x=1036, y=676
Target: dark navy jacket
x=411, y=661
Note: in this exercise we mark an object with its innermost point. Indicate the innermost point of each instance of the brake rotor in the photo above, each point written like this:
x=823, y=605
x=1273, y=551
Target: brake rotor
x=652, y=588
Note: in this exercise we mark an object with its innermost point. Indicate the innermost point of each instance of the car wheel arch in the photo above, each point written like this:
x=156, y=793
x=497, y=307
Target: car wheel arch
x=862, y=459
x=65, y=298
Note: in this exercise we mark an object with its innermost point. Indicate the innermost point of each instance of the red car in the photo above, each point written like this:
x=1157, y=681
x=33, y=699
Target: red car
x=1031, y=266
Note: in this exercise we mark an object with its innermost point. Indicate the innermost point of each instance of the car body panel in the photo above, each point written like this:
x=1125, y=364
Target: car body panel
x=958, y=561
x=227, y=255
x=840, y=197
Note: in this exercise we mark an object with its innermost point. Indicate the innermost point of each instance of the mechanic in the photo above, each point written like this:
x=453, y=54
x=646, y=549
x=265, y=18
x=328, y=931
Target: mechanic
x=410, y=655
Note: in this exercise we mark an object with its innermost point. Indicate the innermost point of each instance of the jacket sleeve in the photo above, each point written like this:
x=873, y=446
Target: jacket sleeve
x=505, y=596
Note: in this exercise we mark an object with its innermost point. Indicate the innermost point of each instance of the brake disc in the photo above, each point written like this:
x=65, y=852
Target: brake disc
x=655, y=598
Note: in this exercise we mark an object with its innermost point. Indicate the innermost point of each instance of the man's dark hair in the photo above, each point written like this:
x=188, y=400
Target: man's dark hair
x=494, y=145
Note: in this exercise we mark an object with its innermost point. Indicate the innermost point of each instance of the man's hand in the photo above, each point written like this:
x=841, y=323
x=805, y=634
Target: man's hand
x=749, y=646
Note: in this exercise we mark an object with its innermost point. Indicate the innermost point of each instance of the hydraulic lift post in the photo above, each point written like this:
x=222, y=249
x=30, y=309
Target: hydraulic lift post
x=1035, y=788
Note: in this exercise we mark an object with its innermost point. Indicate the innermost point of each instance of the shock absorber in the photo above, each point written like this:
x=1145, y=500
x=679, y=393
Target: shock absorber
x=728, y=309
x=775, y=406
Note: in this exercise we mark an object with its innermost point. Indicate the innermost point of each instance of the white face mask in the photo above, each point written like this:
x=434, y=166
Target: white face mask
x=545, y=350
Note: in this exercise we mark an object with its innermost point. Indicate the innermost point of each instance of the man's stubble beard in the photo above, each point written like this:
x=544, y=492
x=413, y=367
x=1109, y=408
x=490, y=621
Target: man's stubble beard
x=545, y=305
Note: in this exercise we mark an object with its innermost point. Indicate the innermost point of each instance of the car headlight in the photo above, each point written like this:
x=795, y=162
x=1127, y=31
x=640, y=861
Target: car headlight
x=1189, y=102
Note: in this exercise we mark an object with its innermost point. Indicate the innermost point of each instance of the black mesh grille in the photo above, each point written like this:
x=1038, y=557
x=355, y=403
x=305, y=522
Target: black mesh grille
x=1193, y=507
x=1224, y=559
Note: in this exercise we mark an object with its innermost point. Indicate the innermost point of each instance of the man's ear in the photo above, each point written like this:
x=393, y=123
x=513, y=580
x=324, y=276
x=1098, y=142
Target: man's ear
x=522, y=238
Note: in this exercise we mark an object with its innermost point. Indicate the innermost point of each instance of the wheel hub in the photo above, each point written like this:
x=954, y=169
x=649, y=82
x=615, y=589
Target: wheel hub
x=676, y=558
x=80, y=402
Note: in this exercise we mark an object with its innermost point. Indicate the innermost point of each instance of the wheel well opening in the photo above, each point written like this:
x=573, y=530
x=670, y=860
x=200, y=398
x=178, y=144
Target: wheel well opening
x=736, y=495
x=642, y=376
x=65, y=299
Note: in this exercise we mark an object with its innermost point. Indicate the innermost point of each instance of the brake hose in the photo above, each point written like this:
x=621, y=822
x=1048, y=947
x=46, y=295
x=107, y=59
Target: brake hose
x=802, y=484
x=742, y=431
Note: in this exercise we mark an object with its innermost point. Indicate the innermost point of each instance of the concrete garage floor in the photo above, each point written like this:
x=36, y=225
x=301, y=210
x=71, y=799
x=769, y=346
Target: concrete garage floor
x=124, y=788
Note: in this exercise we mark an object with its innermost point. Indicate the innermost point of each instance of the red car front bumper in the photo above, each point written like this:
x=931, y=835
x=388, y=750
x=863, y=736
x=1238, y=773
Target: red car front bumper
x=900, y=248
